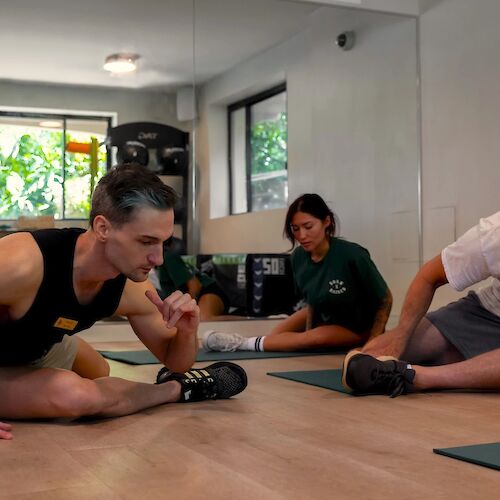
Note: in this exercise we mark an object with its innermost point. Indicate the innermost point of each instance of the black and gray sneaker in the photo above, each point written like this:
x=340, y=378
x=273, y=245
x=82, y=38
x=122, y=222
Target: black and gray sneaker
x=217, y=381
x=364, y=374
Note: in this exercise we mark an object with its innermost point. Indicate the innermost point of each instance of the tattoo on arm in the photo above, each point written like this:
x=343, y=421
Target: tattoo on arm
x=382, y=315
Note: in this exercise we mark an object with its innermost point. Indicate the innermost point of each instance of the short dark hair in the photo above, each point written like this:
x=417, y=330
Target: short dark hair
x=124, y=189
x=313, y=204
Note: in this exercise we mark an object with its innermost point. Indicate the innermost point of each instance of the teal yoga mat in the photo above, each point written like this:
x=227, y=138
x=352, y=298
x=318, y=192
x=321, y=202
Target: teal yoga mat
x=146, y=358
x=328, y=379
x=487, y=455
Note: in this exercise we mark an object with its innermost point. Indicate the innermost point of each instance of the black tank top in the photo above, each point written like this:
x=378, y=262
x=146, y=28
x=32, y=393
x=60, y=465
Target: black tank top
x=55, y=310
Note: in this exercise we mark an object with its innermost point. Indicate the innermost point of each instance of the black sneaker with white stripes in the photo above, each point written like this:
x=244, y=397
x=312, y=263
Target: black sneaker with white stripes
x=217, y=381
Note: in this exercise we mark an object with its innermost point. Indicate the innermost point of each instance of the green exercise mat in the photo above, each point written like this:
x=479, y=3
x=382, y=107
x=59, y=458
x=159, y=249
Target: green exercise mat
x=132, y=357
x=146, y=358
x=328, y=379
x=487, y=455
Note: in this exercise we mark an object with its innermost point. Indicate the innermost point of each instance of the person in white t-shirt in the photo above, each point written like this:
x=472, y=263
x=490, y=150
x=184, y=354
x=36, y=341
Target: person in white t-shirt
x=457, y=346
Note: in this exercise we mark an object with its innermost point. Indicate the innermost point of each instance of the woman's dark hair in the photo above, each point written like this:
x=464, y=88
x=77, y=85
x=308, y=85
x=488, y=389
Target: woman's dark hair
x=314, y=205
x=126, y=188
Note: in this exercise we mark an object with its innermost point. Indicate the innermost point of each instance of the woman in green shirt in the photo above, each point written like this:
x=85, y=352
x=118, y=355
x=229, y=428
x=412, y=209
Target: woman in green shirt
x=347, y=300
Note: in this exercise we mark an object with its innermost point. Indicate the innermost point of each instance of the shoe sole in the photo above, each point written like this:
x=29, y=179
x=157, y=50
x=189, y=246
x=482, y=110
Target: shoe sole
x=348, y=358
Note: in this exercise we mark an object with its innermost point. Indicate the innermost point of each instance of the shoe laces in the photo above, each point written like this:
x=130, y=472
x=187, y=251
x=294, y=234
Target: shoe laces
x=390, y=379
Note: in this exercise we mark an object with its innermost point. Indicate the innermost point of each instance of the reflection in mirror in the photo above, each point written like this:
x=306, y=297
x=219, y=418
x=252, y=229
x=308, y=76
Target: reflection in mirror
x=351, y=133
x=54, y=70
x=264, y=118
x=50, y=165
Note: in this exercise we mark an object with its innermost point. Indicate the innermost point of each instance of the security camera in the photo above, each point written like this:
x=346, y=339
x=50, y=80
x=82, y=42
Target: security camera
x=345, y=40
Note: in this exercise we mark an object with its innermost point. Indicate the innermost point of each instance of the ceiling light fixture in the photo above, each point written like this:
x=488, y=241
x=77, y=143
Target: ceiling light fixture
x=50, y=124
x=121, y=63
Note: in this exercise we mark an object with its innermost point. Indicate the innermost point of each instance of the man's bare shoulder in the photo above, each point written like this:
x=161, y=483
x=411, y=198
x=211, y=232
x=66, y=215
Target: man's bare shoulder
x=21, y=264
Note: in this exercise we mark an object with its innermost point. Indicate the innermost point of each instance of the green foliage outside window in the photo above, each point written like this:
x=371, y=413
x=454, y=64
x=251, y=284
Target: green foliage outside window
x=269, y=185
x=269, y=145
x=32, y=179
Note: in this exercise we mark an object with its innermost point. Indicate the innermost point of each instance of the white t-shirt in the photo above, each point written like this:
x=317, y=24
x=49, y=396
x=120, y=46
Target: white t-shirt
x=474, y=257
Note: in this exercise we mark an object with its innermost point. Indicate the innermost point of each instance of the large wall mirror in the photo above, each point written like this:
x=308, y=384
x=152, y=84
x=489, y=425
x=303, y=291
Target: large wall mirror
x=270, y=70
x=54, y=89
x=342, y=123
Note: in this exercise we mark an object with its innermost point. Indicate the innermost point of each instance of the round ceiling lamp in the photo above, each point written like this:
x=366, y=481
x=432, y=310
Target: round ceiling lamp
x=121, y=63
x=50, y=124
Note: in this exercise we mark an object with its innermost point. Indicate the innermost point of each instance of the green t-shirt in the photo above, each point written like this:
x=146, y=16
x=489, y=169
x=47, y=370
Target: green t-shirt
x=344, y=288
x=174, y=273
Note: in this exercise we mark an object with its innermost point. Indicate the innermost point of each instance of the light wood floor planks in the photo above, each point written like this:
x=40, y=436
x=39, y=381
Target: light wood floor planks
x=277, y=440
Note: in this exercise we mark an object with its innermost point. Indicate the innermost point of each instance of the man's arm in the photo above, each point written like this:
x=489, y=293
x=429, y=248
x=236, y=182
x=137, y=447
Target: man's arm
x=417, y=301
x=381, y=316
x=167, y=328
x=22, y=273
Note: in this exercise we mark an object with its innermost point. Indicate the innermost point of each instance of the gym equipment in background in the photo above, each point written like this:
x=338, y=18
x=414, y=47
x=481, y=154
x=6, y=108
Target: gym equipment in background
x=257, y=285
x=88, y=148
x=174, y=161
x=162, y=149
x=133, y=152
x=229, y=271
x=180, y=211
x=271, y=289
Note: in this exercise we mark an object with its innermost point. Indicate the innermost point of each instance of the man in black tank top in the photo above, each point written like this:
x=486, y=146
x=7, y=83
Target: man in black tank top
x=55, y=283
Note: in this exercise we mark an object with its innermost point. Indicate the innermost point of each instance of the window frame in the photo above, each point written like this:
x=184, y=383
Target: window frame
x=64, y=117
x=246, y=104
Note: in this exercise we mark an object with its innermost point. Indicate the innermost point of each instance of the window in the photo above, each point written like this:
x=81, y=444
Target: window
x=41, y=170
x=258, y=152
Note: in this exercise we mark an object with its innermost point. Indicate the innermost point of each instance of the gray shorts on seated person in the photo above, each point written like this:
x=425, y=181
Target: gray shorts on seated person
x=466, y=324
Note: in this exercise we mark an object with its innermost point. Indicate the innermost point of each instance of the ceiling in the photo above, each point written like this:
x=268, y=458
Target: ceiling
x=65, y=42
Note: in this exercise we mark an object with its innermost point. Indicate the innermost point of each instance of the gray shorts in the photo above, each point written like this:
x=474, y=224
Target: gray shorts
x=467, y=325
x=61, y=355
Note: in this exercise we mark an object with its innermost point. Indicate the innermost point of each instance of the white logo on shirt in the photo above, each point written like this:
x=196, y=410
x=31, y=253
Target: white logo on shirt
x=337, y=287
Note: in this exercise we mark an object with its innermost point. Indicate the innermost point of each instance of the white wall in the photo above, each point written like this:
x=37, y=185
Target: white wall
x=352, y=138
x=460, y=117
x=130, y=105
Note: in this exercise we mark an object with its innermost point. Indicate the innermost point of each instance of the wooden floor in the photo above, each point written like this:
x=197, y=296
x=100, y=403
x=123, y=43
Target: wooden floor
x=277, y=440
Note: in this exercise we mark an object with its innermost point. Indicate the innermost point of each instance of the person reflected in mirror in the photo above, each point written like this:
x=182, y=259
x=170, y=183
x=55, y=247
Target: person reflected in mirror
x=176, y=274
x=347, y=302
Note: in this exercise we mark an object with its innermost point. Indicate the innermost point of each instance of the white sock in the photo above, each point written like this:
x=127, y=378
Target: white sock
x=252, y=344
